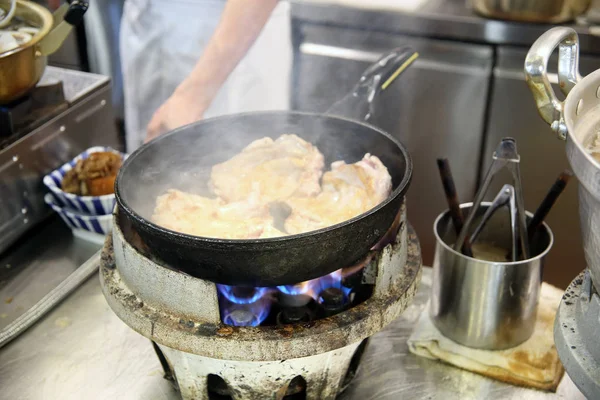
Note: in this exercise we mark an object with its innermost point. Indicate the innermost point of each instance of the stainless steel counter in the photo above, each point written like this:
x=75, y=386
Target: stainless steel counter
x=448, y=19
x=81, y=350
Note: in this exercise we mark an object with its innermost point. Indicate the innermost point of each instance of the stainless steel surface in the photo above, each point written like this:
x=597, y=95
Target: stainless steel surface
x=87, y=122
x=485, y=304
x=550, y=11
x=82, y=350
x=448, y=19
x=577, y=120
x=49, y=301
x=436, y=109
x=77, y=85
x=576, y=334
x=37, y=264
x=505, y=156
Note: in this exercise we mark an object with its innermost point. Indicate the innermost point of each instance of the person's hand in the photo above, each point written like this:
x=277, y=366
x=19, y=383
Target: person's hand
x=184, y=106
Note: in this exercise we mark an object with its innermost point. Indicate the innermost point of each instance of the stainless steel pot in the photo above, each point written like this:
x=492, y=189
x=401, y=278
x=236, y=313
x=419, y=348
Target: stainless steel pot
x=547, y=11
x=483, y=304
x=576, y=120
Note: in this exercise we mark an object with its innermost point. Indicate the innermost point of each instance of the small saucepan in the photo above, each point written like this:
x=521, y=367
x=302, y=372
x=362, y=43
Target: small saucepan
x=21, y=68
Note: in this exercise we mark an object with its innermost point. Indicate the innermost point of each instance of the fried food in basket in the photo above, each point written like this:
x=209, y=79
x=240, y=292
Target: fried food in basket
x=93, y=176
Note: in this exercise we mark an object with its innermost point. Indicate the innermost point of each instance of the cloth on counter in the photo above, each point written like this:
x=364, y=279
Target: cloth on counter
x=533, y=363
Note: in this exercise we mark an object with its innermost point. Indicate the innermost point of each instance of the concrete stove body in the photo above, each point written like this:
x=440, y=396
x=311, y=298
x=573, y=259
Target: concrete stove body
x=208, y=359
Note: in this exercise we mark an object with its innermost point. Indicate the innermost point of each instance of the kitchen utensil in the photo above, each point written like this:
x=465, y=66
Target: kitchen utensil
x=505, y=156
x=485, y=304
x=546, y=205
x=22, y=68
x=191, y=151
x=576, y=119
x=453, y=203
x=545, y=11
x=505, y=196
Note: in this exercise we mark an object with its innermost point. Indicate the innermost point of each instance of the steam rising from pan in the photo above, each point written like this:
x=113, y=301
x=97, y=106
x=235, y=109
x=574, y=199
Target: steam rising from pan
x=183, y=158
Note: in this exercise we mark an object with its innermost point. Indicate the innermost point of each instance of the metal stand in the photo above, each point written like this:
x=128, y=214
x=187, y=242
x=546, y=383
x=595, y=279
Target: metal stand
x=576, y=333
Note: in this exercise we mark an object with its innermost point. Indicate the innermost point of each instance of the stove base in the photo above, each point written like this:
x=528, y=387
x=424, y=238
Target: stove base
x=576, y=334
x=322, y=376
x=211, y=360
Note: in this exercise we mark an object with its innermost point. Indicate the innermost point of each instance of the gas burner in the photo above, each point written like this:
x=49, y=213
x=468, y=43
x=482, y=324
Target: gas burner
x=576, y=334
x=26, y=114
x=302, y=340
x=303, y=302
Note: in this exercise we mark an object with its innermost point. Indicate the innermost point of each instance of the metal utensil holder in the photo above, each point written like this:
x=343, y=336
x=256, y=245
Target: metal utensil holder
x=482, y=304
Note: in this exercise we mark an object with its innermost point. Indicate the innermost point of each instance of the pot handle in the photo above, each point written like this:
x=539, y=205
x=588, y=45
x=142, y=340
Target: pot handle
x=536, y=74
x=65, y=18
x=358, y=104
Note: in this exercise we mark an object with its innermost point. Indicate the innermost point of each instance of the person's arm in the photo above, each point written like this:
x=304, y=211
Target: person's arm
x=240, y=25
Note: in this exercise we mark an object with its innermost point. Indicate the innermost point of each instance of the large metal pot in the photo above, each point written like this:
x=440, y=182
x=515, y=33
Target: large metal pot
x=576, y=120
x=547, y=11
x=22, y=68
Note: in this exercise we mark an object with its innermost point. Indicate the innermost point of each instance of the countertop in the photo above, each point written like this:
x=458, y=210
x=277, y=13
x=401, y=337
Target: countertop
x=82, y=350
x=444, y=19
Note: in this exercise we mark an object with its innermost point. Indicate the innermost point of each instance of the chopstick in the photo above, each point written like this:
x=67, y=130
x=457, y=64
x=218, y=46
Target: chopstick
x=453, y=203
x=546, y=205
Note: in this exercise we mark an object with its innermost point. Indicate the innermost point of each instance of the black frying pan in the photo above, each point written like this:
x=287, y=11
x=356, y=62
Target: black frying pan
x=182, y=159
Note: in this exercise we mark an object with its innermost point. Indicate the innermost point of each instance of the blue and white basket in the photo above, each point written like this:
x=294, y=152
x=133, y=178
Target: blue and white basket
x=89, y=227
x=90, y=205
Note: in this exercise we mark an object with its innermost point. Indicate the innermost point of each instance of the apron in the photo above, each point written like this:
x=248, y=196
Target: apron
x=161, y=41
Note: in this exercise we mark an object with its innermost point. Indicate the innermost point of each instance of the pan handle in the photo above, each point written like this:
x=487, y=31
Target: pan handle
x=536, y=73
x=358, y=104
x=65, y=18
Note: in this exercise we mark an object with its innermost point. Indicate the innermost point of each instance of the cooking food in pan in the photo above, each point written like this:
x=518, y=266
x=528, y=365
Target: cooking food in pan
x=282, y=168
x=284, y=173
x=347, y=190
x=93, y=176
x=184, y=159
x=203, y=216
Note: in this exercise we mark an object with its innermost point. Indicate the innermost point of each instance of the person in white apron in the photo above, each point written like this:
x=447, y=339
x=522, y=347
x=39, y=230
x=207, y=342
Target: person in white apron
x=180, y=61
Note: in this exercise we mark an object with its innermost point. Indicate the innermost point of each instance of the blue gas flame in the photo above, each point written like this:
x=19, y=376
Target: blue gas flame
x=316, y=286
x=229, y=293
x=248, y=310
x=253, y=307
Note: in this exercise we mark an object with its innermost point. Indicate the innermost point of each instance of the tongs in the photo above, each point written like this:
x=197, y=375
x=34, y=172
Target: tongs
x=505, y=156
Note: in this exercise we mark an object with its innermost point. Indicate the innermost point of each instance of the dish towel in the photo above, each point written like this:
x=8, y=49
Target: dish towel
x=533, y=363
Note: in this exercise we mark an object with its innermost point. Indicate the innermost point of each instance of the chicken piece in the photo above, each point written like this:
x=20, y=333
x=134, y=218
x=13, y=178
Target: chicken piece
x=206, y=217
x=348, y=190
x=288, y=166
